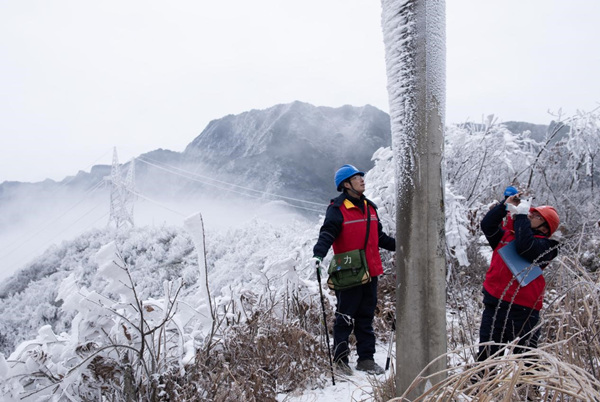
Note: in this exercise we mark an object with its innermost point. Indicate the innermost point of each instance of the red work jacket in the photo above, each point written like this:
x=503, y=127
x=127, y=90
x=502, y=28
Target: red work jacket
x=354, y=230
x=498, y=278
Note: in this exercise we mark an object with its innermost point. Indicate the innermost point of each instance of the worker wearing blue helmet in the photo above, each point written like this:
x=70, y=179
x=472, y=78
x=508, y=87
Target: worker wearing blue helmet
x=344, y=173
x=344, y=229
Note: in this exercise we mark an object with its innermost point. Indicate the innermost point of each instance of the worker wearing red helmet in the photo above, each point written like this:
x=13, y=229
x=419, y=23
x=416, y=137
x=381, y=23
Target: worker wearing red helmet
x=512, y=309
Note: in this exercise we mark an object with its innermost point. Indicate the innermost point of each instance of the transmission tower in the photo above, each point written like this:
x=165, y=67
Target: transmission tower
x=121, y=194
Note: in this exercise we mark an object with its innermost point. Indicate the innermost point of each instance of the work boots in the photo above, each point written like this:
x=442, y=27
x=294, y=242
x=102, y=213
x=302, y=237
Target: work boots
x=370, y=367
x=342, y=367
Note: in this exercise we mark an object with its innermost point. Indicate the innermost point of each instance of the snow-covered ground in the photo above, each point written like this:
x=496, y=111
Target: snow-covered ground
x=357, y=387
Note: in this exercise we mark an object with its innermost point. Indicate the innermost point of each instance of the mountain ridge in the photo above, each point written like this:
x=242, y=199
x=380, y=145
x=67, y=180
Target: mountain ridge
x=290, y=149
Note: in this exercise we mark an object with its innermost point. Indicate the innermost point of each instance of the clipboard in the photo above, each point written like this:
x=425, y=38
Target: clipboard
x=523, y=270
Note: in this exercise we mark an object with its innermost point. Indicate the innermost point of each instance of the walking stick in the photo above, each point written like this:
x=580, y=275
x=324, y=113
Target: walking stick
x=389, y=356
x=325, y=322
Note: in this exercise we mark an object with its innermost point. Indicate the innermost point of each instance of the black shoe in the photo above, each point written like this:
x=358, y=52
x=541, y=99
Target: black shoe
x=342, y=367
x=370, y=367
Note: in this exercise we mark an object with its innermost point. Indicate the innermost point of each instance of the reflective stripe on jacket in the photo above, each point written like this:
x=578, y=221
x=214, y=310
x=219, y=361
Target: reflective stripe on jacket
x=354, y=230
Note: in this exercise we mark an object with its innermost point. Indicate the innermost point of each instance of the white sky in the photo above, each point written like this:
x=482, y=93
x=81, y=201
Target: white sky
x=78, y=77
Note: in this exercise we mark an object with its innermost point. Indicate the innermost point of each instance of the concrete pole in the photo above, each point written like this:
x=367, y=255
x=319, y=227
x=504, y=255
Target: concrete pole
x=414, y=37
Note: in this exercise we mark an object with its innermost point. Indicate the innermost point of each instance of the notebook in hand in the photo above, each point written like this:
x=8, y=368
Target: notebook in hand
x=523, y=270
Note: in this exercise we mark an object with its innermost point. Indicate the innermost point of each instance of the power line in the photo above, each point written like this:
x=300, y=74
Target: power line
x=18, y=242
x=196, y=175
x=28, y=236
x=198, y=178
x=45, y=245
x=23, y=238
x=156, y=202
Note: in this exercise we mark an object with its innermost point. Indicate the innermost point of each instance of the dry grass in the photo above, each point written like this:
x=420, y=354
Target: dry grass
x=573, y=316
x=272, y=347
x=271, y=351
x=537, y=374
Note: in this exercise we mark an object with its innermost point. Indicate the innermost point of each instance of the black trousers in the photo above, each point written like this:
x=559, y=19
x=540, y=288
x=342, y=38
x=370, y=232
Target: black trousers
x=502, y=322
x=354, y=312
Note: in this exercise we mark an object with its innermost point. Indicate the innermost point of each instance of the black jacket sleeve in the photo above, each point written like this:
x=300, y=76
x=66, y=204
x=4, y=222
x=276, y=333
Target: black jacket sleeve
x=385, y=241
x=332, y=226
x=491, y=224
x=539, y=250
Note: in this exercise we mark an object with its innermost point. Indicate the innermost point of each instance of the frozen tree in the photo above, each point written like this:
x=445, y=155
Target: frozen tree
x=457, y=232
x=381, y=188
x=137, y=303
x=482, y=159
x=583, y=145
x=195, y=226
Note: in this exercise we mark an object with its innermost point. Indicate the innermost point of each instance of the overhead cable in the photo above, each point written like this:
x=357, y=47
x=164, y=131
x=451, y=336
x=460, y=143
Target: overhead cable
x=197, y=178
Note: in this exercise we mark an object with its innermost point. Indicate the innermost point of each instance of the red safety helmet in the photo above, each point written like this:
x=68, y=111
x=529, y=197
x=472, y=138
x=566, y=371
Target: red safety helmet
x=550, y=216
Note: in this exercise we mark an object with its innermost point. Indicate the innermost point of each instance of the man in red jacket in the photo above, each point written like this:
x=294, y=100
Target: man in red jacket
x=344, y=228
x=511, y=309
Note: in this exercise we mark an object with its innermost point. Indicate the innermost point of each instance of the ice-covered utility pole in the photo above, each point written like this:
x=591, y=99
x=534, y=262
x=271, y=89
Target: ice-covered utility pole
x=414, y=38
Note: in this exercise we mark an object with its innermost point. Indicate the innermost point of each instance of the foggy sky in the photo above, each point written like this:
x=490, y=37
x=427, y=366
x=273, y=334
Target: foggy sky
x=79, y=78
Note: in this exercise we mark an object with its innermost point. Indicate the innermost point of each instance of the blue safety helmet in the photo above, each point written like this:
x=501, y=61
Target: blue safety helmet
x=510, y=190
x=344, y=173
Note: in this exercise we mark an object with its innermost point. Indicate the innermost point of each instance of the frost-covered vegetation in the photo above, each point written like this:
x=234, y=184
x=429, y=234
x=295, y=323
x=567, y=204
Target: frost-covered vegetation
x=125, y=315
x=110, y=292
x=481, y=160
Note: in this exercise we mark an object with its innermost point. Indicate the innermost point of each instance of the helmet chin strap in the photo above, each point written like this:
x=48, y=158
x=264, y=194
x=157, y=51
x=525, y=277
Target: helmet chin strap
x=353, y=190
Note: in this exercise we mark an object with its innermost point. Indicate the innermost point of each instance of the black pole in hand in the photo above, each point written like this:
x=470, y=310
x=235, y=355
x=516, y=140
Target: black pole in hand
x=325, y=322
x=389, y=356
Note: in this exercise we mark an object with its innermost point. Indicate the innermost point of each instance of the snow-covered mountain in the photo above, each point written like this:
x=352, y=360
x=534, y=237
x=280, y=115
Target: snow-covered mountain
x=289, y=150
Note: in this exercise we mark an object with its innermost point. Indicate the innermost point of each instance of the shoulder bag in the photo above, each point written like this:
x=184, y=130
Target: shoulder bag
x=350, y=269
